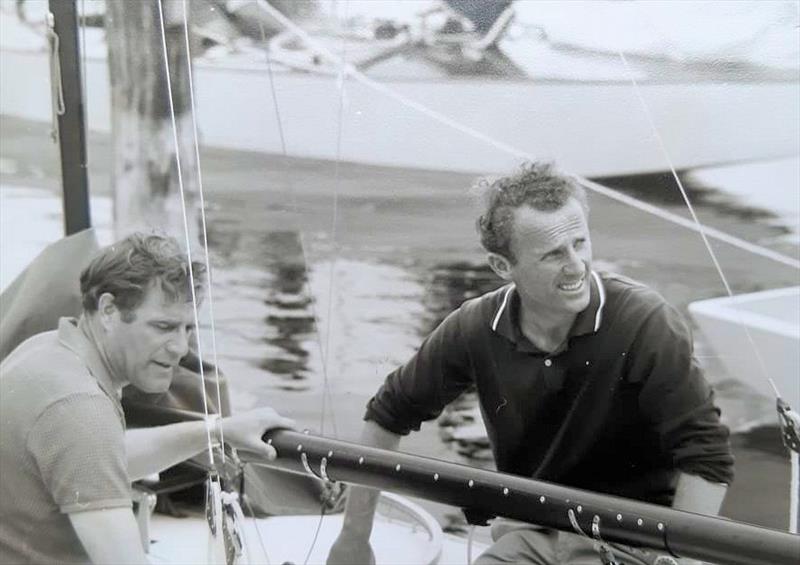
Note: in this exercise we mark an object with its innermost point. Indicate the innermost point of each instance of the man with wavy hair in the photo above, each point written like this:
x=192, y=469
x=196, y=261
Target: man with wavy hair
x=584, y=378
x=66, y=458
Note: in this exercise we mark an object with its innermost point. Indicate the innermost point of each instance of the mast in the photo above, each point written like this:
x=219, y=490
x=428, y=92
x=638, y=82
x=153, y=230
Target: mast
x=71, y=124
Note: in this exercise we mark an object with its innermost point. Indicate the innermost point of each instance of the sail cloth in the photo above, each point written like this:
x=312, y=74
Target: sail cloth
x=45, y=291
x=49, y=289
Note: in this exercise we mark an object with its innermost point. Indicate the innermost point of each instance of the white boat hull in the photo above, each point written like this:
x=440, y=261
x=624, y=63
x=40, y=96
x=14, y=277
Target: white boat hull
x=771, y=319
x=592, y=129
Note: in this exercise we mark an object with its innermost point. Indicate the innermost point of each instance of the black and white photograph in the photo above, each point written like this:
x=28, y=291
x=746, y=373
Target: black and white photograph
x=373, y=282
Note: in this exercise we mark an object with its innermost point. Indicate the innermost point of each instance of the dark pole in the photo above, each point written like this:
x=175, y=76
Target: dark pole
x=607, y=517
x=71, y=124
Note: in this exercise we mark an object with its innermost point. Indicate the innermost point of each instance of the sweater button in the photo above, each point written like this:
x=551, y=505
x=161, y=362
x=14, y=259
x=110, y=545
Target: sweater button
x=548, y=362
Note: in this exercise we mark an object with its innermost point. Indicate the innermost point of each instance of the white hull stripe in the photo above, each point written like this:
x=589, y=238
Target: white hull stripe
x=502, y=308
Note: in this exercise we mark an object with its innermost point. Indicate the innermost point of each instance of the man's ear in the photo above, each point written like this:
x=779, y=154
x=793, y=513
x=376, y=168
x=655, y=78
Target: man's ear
x=107, y=309
x=500, y=265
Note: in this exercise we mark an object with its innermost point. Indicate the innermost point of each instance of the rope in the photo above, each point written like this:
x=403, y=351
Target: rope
x=56, y=86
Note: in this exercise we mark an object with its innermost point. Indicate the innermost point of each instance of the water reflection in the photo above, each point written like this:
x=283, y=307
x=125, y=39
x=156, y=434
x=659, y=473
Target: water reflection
x=451, y=283
x=661, y=188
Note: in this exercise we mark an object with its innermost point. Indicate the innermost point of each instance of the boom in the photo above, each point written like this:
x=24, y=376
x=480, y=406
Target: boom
x=606, y=517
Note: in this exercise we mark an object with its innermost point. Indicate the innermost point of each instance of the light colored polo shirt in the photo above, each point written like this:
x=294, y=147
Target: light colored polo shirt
x=62, y=445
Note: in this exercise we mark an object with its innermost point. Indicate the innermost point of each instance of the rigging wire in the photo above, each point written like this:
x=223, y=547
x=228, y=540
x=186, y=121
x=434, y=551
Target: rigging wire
x=335, y=216
x=334, y=252
x=515, y=152
x=316, y=534
x=162, y=25
x=700, y=227
x=784, y=410
x=195, y=138
x=256, y=523
x=301, y=236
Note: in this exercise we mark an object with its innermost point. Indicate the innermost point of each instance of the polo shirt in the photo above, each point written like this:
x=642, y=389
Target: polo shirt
x=619, y=408
x=62, y=445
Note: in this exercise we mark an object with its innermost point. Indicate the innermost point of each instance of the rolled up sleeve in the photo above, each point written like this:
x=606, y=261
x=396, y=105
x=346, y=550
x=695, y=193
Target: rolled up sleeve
x=419, y=390
x=678, y=401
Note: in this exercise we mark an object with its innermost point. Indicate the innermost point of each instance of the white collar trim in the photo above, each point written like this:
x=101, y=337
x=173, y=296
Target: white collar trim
x=500, y=310
x=602, y=290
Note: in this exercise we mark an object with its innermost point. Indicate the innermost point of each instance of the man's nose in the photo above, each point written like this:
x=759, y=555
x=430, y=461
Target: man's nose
x=574, y=264
x=178, y=345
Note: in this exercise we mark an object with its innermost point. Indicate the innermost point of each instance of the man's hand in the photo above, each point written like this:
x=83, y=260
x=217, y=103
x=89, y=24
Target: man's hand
x=352, y=546
x=350, y=549
x=244, y=430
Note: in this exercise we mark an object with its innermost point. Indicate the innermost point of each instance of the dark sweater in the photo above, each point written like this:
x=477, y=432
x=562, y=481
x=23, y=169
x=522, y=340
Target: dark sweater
x=620, y=408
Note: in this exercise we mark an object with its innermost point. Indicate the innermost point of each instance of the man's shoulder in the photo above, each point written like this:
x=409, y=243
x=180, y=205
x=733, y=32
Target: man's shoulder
x=47, y=369
x=629, y=303
x=630, y=292
x=485, y=306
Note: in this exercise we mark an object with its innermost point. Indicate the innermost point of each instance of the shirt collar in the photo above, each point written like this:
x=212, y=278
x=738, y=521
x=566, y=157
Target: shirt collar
x=71, y=336
x=506, y=318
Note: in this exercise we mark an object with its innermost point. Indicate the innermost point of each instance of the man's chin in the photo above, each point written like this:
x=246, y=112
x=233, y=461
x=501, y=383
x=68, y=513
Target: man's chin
x=154, y=385
x=577, y=303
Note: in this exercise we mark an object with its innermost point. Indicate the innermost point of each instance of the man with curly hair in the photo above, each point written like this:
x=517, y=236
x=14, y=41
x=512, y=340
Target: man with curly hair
x=584, y=378
x=66, y=458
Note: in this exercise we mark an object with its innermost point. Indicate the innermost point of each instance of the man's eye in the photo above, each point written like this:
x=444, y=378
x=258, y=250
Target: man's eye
x=579, y=243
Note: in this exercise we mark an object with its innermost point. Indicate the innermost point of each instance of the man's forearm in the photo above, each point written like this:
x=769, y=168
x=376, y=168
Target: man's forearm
x=109, y=536
x=695, y=494
x=362, y=501
x=150, y=450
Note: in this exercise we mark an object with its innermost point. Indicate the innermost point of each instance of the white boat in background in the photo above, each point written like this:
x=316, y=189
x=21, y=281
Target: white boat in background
x=771, y=319
x=757, y=339
x=580, y=110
